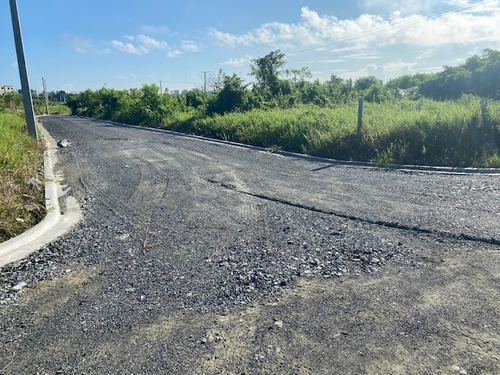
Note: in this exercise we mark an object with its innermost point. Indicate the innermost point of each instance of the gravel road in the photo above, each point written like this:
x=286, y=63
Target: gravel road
x=199, y=257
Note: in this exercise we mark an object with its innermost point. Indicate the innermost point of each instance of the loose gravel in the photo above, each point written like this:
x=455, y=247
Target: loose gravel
x=171, y=232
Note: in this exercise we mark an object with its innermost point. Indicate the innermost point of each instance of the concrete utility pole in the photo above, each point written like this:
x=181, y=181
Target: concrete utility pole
x=23, y=70
x=44, y=83
x=205, y=82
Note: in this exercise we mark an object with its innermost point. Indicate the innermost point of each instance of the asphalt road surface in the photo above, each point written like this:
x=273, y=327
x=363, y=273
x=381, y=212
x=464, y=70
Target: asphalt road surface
x=199, y=257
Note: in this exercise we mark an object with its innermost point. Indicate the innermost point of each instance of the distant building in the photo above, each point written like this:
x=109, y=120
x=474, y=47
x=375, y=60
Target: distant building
x=179, y=92
x=4, y=90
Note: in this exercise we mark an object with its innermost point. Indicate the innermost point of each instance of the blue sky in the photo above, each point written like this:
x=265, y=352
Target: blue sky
x=80, y=44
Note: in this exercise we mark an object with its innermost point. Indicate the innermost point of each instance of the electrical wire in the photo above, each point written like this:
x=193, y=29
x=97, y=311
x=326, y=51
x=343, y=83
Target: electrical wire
x=459, y=8
x=397, y=25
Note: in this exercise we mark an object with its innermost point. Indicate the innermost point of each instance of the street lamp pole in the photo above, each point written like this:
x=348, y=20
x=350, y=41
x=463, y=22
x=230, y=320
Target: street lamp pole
x=23, y=70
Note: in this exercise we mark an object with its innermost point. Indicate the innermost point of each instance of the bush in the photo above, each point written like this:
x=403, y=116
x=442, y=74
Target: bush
x=403, y=131
x=21, y=206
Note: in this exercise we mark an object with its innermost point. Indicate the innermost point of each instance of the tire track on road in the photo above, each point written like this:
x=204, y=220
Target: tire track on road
x=386, y=224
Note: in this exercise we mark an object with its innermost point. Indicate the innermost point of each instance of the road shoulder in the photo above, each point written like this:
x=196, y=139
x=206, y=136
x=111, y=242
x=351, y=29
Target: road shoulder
x=56, y=223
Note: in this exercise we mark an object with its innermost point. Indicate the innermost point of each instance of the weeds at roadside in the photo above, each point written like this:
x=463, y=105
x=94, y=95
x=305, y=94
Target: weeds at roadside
x=459, y=133
x=22, y=203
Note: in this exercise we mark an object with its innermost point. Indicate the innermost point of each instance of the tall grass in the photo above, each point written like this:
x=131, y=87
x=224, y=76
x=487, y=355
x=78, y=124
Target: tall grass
x=55, y=108
x=404, y=132
x=422, y=131
x=418, y=132
x=21, y=204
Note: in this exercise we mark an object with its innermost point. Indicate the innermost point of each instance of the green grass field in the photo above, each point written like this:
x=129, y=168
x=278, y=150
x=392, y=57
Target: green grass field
x=21, y=205
x=458, y=133
x=54, y=108
x=404, y=132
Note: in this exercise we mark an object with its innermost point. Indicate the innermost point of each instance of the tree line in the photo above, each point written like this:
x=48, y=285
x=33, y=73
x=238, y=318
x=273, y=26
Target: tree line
x=276, y=87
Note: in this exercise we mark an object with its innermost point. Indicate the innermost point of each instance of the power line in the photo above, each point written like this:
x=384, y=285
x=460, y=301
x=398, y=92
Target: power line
x=397, y=25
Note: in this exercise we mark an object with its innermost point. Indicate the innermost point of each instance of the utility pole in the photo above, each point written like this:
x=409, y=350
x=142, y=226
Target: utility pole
x=23, y=70
x=46, y=95
x=161, y=88
x=205, y=82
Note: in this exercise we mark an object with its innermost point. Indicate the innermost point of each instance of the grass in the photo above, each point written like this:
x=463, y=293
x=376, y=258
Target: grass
x=428, y=132
x=21, y=204
x=422, y=132
x=54, y=108
x=402, y=131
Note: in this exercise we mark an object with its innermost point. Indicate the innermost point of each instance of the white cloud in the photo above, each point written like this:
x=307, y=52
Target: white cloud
x=454, y=28
x=190, y=46
x=369, y=70
x=75, y=42
x=314, y=30
x=327, y=61
x=139, y=45
x=363, y=56
x=424, y=55
x=128, y=48
x=237, y=62
x=148, y=41
x=174, y=53
x=385, y=71
x=127, y=76
x=396, y=68
x=344, y=49
x=431, y=69
x=187, y=46
x=475, y=6
x=148, y=29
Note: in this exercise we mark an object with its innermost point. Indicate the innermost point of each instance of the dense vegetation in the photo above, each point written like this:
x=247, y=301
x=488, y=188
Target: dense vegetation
x=22, y=202
x=14, y=101
x=438, y=119
x=21, y=198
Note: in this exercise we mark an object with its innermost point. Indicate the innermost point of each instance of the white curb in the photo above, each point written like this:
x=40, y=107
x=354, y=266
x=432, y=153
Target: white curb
x=56, y=223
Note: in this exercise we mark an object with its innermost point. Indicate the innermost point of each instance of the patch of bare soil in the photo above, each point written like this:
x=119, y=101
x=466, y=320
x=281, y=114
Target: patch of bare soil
x=441, y=318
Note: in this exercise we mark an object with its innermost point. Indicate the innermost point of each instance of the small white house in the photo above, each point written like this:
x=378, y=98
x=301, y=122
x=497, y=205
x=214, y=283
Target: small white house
x=4, y=90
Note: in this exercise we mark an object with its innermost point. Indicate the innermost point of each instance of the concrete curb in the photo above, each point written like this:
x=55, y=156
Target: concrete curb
x=332, y=162
x=56, y=223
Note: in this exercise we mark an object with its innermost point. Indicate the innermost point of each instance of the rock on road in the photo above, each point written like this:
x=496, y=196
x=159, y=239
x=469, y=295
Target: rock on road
x=201, y=257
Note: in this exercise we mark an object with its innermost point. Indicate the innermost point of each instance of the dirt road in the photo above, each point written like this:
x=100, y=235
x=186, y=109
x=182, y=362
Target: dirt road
x=197, y=257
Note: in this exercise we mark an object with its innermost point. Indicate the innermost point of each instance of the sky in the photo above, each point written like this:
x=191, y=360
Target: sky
x=89, y=44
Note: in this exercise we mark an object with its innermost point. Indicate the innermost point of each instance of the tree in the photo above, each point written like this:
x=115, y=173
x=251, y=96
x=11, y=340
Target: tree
x=372, y=88
x=347, y=90
x=451, y=83
x=364, y=83
x=479, y=75
x=267, y=72
x=195, y=98
x=298, y=74
x=15, y=98
x=489, y=74
x=231, y=96
x=335, y=89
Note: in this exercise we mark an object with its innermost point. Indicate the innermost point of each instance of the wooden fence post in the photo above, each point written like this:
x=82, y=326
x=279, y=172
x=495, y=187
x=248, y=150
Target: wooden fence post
x=361, y=102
